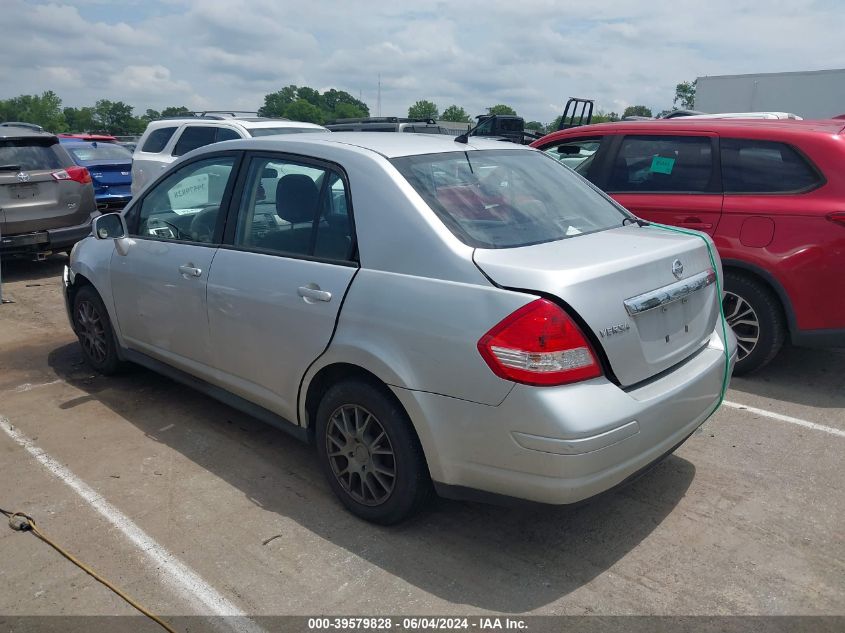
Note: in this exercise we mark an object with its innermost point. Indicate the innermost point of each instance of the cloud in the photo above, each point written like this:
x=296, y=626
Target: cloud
x=532, y=54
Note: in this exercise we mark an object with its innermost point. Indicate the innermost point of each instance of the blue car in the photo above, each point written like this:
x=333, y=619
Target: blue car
x=111, y=170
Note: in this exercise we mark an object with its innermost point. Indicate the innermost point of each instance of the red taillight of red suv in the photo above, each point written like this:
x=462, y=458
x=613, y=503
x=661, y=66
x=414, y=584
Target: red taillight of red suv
x=539, y=344
x=838, y=217
x=79, y=174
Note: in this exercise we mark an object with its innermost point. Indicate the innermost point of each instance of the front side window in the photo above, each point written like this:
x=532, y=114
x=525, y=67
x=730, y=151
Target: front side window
x=507, y=198
x=750, y=166
x=295, y=209
x=663, y=164
x=577, y=154
x=157, y=139
x=186, y=205
x=194, y=136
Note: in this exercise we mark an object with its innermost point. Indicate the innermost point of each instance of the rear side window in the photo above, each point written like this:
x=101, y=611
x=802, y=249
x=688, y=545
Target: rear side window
x=194, y=136
x=750, y=166
x=662, y=164
x=27, y=154
x=158, y=139
x=227, y=134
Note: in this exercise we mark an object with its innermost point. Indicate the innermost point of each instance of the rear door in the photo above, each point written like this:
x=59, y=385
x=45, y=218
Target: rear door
x=31, y=199
x=671, y=179
x=275, y=290
x=159, y=273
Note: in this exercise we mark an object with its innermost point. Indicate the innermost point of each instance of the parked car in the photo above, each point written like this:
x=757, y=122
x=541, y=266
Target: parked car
x=771, y=193
x=46, y=201
x=386, y=124
x=423, y=310
x=110, y=166
x=166, y=140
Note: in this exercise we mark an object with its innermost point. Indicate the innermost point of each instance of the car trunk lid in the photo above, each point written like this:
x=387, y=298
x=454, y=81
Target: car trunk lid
x=110, y=173
x=645, y=317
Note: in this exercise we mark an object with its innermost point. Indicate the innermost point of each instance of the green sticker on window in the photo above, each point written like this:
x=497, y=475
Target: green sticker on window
x=662, y=165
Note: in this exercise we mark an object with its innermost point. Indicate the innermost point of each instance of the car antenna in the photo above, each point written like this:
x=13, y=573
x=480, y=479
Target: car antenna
x=464, y=138
x=635, y=220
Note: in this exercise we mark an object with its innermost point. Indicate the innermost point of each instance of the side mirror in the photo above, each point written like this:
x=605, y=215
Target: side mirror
x=109, y=226
x=569, y=150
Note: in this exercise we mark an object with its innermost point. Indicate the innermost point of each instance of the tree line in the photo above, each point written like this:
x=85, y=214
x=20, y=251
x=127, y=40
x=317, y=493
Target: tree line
x=298, y=103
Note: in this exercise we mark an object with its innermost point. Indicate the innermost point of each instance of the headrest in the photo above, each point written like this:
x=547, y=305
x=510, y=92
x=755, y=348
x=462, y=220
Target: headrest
x=296, y=198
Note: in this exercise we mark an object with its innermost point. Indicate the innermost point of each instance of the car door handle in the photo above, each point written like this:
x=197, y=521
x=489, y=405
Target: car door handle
x=695, y=223
x=312, y=292
x=190, y=271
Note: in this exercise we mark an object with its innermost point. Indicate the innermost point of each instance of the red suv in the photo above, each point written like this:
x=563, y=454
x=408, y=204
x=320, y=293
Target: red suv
x=771, y=194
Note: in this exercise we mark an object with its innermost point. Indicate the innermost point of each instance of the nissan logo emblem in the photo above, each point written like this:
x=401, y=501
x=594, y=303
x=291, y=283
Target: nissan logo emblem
x=678, y=268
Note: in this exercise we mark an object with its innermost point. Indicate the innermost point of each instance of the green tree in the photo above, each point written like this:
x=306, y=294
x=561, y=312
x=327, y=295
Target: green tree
x=637, y=110
x=348, y=111
x=78, y=119
x=535, y=126
x=44, y=110
x=501, y=109
x=114, y=117
x=334, y=99
x=423, y=109
x=174, y=111
x=455, y=113
x=685, y=94
x=302, y=110
x=276, y=103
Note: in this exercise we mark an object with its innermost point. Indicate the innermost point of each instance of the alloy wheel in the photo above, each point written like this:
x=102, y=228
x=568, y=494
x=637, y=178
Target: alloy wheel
x=92, y=332
x=743, y=320
x=361, y=455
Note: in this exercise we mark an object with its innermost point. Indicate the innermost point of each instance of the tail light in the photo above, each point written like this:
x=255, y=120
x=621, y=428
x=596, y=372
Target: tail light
x=79, y=174
x=838, y=217
x=539, y=344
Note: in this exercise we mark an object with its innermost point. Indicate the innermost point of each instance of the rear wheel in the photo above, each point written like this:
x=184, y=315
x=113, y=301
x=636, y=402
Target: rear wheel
x=93, y=328
x=370, y=453
x=754, y=314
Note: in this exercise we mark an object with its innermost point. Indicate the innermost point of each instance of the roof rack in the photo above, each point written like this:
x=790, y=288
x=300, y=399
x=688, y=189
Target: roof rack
x=218, y=115
x=382, y=119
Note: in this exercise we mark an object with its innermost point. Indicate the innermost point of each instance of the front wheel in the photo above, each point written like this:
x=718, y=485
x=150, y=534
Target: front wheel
x=93, y=328
x=370, y=454
x=754, y=313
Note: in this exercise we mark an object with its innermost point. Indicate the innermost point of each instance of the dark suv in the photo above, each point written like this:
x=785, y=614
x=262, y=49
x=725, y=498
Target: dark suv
x=46, y=201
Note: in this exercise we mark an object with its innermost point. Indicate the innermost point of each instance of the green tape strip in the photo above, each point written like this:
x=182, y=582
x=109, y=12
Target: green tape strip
x=727, y=375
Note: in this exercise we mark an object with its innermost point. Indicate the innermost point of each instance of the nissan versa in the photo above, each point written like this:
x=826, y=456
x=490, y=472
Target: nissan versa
x=471, y=318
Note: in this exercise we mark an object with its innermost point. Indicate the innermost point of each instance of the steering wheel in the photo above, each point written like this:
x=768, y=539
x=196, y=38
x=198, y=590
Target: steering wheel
x=203, y=224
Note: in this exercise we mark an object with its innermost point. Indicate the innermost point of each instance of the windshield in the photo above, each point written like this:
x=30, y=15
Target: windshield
x=270, y=131
x=507, y=198
x=100, y=151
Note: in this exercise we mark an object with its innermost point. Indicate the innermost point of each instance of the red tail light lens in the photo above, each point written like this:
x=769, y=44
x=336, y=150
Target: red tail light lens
x=539, y=344
x=838, y=217
x=79, y=174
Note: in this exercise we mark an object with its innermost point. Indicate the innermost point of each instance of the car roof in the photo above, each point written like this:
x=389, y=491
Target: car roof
x=827, y=126
x=246, y=122
x=7, y=131
x=387, y=144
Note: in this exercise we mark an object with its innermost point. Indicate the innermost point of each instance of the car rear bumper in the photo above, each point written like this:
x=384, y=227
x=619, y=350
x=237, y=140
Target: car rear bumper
x=561, y=445
x=48, y=240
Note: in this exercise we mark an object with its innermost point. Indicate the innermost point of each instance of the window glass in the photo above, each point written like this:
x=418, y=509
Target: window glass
x=29, y=154
x=763, y=167
x=186, y=205
x=662, y=163
x=576, y=154
x=99, y=151
x=294, y=209
x=507, y=198
x=158, y=139
x=270, y=131
x=194, y=136
x=227, y=134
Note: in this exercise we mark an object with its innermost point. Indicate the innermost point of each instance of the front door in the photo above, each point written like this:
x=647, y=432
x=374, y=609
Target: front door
x=274, y=294
x=670, y=179
x=159, y=273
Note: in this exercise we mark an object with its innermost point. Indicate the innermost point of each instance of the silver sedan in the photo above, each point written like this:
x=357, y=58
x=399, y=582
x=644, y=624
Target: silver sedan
x=468, y=318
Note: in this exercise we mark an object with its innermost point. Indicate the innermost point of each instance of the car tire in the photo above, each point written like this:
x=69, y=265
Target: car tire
x=754, y=313
x=370, y=453
x=93, y=328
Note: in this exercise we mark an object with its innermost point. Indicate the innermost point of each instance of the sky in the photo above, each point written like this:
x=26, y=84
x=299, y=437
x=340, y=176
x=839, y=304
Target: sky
x=529, y=54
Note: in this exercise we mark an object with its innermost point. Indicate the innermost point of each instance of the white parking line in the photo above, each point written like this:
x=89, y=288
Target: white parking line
x=785, y=418
x=185, y=581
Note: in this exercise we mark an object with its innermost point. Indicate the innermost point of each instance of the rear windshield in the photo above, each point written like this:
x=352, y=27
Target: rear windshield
x=270, y=131
x=100, y=151
x=28, y=154
x=507, y=198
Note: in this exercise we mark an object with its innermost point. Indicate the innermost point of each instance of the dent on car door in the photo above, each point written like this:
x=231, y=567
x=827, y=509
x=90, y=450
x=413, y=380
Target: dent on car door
x=275, y=292
x=160, y=271
x=671, y=179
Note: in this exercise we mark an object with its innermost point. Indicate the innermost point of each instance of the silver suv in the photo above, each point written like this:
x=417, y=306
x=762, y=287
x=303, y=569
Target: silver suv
x=166, y=140
x=46, y=200
x=469, y=317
